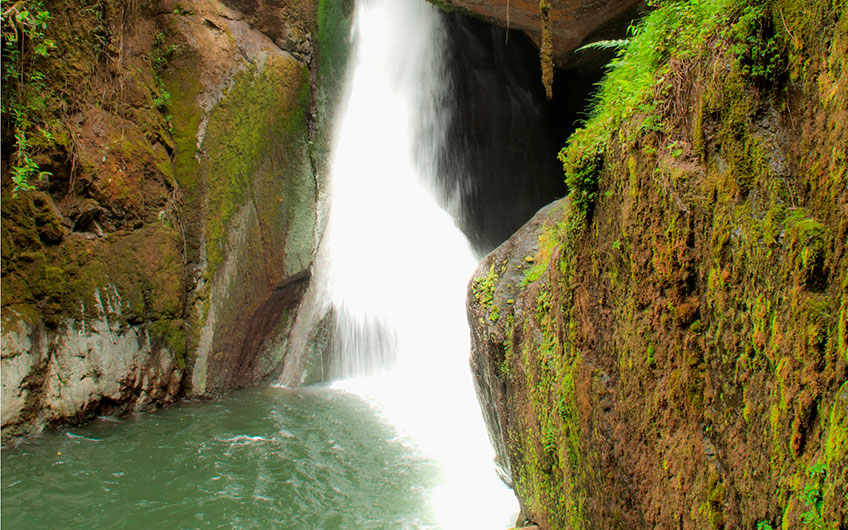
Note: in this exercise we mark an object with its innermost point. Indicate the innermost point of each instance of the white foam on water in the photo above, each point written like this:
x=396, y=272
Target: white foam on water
x=244, y=439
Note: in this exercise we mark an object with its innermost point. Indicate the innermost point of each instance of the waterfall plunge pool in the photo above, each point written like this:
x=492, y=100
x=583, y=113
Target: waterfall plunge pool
x=311, y=458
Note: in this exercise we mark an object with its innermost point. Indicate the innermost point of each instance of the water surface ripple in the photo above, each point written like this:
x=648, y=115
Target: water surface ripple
x=312, y=458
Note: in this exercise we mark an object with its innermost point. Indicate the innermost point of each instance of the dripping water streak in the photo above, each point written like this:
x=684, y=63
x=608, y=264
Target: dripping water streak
x=397, y=266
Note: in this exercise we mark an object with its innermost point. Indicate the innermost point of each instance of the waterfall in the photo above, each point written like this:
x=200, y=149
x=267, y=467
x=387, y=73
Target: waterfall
x=396, y=266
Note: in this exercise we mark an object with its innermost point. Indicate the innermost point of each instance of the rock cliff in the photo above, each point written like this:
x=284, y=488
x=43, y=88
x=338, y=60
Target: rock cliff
x=571, y=22
x=169, y=248
x=666, y=347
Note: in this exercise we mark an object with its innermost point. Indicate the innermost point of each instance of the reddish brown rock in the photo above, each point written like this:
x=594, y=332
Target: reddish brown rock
x=169, y=250
x=572, y=21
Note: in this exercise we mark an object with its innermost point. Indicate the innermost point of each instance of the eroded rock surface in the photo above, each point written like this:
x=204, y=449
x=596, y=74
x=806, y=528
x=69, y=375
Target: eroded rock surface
x=572, y=21
x=668, y=347
x=169, y=251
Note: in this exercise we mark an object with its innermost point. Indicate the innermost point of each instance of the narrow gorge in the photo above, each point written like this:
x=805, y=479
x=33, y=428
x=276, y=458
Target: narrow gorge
x=239, y=241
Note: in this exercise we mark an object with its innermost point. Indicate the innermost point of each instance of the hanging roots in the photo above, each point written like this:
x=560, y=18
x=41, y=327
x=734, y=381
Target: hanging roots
x=507, y=21
x=546, y=53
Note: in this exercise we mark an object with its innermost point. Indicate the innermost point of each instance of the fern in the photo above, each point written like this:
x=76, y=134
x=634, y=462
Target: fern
x=604, y=44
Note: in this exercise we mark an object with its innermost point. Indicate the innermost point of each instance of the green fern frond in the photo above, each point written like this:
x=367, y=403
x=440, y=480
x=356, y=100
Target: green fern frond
x=604, y=44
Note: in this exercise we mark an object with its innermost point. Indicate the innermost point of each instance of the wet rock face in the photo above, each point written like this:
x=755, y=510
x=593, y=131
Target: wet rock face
x=496, y=306
x=255, y=212
x=499, y=157
x=572, y=21
x=677, y=355
x=170, y=250
x=501, y=142
x=92, y=368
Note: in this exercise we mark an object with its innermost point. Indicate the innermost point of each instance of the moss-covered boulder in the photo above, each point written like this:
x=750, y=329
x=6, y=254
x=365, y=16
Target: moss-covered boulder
x=667, y=349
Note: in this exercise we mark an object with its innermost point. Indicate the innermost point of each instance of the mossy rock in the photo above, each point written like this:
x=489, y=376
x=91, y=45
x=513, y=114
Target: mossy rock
x=690, y=321
x=270, y=102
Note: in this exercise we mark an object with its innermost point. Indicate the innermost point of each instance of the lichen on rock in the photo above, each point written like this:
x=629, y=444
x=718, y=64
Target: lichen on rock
x=183, y=202
x=674, y=353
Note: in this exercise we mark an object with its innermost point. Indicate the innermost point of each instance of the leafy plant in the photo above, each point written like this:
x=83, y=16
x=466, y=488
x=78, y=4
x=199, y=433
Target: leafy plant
x=757, y=47
x=604, y=45
x=639, y=80
x=23, y=42
x=159, y=58
x=813, y=497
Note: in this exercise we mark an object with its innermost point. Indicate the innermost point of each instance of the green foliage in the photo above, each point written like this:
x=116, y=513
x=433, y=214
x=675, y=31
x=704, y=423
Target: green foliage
x=690, y=131
x=583, y=160
x=640, y=78
x=159, y=58
x=23, y=43
x=756, y=46
x=814, y=498
x=604, y=45
x=626, y=91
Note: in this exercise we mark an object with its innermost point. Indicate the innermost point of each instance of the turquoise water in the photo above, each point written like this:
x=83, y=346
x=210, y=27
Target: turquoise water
x=312, y=458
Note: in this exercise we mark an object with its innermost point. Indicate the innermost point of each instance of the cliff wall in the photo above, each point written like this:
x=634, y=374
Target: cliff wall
x=666, y=347
x=167, y=248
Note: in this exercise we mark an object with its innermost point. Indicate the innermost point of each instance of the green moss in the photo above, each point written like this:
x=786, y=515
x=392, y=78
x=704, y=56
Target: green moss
x=553, y=462
x=533, y=273
x=625, y=110
x=509, y=346
x=483, y=287
x=842, y=334
x=172, y=333
x=549, y=239
x=725, y=293
x=836, y=455
x=264, y=104
x=651, y=360
x=715, y=500
x=808, y=244
x=184, y=87
x=133, y=277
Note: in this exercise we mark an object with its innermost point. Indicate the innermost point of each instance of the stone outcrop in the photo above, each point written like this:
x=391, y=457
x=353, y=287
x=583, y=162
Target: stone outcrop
x=170, y=250
x=667, y=347
x=497, y=290
x=571, y=21
x=90, y=367
x=250, y=189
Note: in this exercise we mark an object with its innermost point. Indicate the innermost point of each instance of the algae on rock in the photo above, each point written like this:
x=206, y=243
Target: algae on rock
x=183, y=202
x=678, y=358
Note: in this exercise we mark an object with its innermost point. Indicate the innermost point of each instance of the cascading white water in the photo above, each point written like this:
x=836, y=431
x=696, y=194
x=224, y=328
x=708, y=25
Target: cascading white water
x=396, y=264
